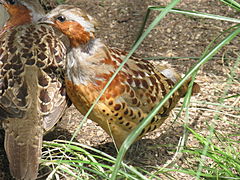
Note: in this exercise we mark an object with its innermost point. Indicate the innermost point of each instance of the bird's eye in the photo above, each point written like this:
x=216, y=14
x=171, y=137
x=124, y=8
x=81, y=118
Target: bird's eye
x=12, y=2
x=61, y=18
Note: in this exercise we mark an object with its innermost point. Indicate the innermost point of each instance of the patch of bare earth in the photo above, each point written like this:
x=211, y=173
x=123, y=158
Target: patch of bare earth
x=175, y=36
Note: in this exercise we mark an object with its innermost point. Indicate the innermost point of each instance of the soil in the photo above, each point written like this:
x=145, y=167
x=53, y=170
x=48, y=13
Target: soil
x=175, y=36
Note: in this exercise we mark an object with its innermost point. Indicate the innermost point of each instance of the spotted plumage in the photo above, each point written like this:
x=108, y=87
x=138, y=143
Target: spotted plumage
x=32, y=91
x=49, y=4
x=21, y=12
x=134, y=92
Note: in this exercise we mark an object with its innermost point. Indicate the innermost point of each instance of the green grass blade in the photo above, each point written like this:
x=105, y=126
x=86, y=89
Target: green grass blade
x=130, y=139
x=198, y=14
x=134, y=48
x=232, y=4
x=125, y=145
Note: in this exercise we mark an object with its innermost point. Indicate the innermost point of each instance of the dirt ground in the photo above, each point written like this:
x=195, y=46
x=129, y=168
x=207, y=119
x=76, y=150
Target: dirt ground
x=176, y=36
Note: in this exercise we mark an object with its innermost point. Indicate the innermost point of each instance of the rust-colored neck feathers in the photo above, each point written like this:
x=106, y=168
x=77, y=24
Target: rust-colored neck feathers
x=18, y=15
x=75, y=32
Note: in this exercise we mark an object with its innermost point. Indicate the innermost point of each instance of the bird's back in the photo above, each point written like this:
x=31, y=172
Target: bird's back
x=32, y=92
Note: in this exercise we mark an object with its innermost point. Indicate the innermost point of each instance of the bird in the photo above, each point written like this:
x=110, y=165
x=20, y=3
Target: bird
x=21, y=12
x=32, y=89
x=134, y=92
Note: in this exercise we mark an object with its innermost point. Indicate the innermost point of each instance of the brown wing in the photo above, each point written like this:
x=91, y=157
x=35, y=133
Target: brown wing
x=53, y=96
x=137, y=89
x=32, y=95
x=44, y=49
x=10, y=69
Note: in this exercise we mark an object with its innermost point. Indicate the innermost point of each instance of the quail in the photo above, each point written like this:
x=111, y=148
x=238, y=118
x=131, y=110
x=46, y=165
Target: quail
x=133, y=93
x=21, y=12
x=32, y=92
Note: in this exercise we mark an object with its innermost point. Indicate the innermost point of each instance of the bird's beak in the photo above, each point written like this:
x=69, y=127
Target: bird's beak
x=45, y=20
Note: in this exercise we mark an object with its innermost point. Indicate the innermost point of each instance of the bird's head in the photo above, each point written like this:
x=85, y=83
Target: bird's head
x=77, y=25
x=23, y=11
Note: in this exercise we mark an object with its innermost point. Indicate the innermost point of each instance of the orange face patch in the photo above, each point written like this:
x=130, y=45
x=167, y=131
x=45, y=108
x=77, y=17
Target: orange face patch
x=74, y=31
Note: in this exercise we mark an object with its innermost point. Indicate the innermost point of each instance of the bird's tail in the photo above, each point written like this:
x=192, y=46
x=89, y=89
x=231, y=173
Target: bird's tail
x=23, y=144
x=171, y=73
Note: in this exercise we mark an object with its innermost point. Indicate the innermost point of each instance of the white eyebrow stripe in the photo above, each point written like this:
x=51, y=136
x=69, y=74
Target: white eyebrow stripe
x=89, y=27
